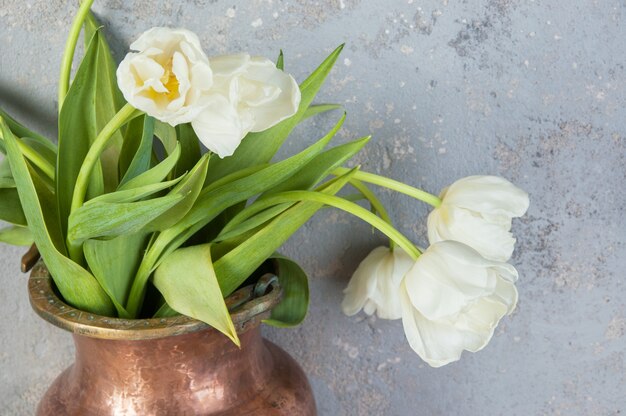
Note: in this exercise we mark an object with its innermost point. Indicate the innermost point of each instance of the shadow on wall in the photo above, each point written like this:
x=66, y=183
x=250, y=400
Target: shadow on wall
x=15, y=103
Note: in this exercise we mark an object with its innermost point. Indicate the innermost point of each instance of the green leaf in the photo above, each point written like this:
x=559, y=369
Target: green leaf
x=294, y=305
x=114, y=263
x=76, y=285
x=309, y=176
x=321, y=166
x=5, y=169
x=190, y=146
x=314, y=110
x=210, y=204
x=103, y=219
x=187, y=281
x=244, y=222
x=46, y=153
x=10, y=207
x=134, y=194
x=257, y=148
x=108, y=100
x=280, y=62
x=167, y=135
x=189, y=189
x=156, y=174
x=7, y=183
x=20, y=131
x=136, y=151
x=77, y=130
x=16, y=235
x=235, y=267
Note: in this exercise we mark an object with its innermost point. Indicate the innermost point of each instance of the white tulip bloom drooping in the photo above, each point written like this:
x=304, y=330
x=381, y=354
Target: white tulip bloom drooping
x=477, y=211
x=452, y=299
x=375, y=285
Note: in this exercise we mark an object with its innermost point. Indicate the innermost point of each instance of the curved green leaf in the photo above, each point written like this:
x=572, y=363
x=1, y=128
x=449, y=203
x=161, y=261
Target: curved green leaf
x=156, y=174
x=78, y=286
x=187, y=281
x=104, y=219
x=294, y=305
x=16, y=236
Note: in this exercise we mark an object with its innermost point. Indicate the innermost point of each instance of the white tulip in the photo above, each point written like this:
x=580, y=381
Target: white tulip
x=249, y=94
x=452, y=299
x=375, y=285
x=168, y=77
x=477, y=211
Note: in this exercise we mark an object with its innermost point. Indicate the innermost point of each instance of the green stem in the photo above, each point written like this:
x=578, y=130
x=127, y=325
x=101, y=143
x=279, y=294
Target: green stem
x=45, y=166
x=350, y=207
x=125, y=114
x=376, y=204
x=393, y=185
x=70, y=47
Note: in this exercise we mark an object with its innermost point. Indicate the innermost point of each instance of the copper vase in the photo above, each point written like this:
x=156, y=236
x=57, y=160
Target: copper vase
x=171, y=366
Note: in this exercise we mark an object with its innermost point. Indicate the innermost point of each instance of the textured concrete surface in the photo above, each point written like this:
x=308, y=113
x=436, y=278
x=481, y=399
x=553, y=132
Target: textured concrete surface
x=531, y=90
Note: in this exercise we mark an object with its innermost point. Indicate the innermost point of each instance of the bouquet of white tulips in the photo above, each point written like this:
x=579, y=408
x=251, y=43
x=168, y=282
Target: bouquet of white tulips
x=133, y=219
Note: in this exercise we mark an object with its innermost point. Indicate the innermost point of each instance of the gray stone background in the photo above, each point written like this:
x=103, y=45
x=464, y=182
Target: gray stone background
x=534, y=91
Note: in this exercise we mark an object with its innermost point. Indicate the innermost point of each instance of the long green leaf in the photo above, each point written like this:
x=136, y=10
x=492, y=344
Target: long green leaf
x=137, y=148
x=16, y=236
x=114, y=263
x=257, y=148
x=309, y=176
x=156, y=174
x=294, y=305
x=187, y=281
x=209, y=205
x=189, y=189
x=103, y=219
x=134, y=194
x=316, y=109
x=190, y=146
x=108, y=100
x=78, y=287
x=10, y=207
x=77, y=130
x=244, y=221
x=20, y=131
x=167, y=135
x=235, y=267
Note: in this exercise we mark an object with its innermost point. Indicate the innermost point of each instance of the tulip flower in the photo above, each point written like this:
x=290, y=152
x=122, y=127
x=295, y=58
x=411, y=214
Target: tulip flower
x=452, y=299
x=224, y=98
x=375, y=285
x=477, y=211
x=249, y=94
x=168, y=77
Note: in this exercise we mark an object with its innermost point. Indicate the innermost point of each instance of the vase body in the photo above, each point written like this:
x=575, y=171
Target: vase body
x=173, y=366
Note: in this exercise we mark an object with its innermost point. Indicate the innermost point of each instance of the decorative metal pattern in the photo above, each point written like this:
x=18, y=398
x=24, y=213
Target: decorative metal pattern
x=247, y=311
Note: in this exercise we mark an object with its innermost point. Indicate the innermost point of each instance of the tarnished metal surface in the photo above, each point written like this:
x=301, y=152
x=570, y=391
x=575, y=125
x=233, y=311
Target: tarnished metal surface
x=246, y=311
x=171, y=366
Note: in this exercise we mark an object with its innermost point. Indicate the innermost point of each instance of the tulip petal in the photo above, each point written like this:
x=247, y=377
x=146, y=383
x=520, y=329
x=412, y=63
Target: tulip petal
x=488, y=194
x=437, y=343
x=218, y=126
x=362, y=285
x=490, y=239
x=446, y=278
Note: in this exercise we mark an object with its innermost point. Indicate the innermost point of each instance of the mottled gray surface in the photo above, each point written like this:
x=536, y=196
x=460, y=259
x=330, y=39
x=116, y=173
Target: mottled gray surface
x=531, y=90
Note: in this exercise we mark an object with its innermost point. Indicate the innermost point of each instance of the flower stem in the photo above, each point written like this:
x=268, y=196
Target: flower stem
x=350, y=207
x=393, y=185
x=125, y=114
x=376, y=204
x=37, y=160
x=70, y=47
